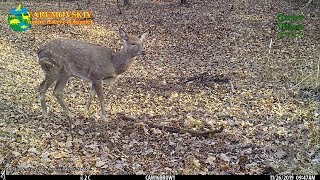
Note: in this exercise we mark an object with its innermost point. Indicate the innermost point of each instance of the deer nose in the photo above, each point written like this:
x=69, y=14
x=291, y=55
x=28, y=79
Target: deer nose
x=143, y=53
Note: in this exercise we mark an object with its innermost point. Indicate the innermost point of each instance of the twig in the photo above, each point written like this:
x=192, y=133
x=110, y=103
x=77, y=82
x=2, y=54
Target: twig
x=231, y=92
x=308, y=3
x=171, y=129
x=318, y=71
x=270, y=45
x=301, y=81
x=231, y=87
x=118, y=5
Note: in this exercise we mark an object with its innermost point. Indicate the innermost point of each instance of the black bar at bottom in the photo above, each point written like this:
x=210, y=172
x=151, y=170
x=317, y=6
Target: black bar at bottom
x=162, y=177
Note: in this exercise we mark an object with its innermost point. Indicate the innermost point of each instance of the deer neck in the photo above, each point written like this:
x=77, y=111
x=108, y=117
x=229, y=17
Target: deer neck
x=122, y=60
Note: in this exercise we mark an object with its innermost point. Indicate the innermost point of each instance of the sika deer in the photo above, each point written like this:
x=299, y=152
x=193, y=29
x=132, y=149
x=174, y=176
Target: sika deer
x=62, y=58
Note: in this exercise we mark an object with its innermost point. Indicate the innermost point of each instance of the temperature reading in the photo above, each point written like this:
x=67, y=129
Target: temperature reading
x=85, y=177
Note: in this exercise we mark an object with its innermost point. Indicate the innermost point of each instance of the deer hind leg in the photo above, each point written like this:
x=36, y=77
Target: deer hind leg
x=89, y=100
x=58, y=92
x=46, y=83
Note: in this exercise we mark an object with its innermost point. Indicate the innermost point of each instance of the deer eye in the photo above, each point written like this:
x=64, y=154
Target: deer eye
x=132, y=44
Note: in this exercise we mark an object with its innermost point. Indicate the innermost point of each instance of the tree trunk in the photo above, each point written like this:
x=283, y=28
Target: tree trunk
x=183, y=2
x=126, y=2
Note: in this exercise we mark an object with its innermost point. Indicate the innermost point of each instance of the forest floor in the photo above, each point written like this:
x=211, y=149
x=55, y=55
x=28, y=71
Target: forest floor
x=270, y=114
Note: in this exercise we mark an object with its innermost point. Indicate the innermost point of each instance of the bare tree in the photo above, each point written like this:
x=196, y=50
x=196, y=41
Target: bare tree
x=125, y=3
x=183, y=2
x=306, y=6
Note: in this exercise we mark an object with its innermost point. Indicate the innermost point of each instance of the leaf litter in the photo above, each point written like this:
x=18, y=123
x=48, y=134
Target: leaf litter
x=183, y=83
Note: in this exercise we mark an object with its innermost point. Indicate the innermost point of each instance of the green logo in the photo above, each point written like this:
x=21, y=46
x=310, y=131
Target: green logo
x=289, y=26
x=19, y=19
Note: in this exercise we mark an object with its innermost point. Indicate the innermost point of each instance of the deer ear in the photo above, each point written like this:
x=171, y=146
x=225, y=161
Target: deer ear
x=144, y=36
x=123, y=34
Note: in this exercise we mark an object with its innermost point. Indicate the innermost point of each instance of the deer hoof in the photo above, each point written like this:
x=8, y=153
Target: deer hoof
x=86, y=112
x=69, y=114
x=45, y=115
x=104, y=118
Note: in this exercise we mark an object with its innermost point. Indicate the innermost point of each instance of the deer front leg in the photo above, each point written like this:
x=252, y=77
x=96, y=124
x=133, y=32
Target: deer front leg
x=98, y=88
x=46, y=83
x=58, y=92
x=89, y=100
